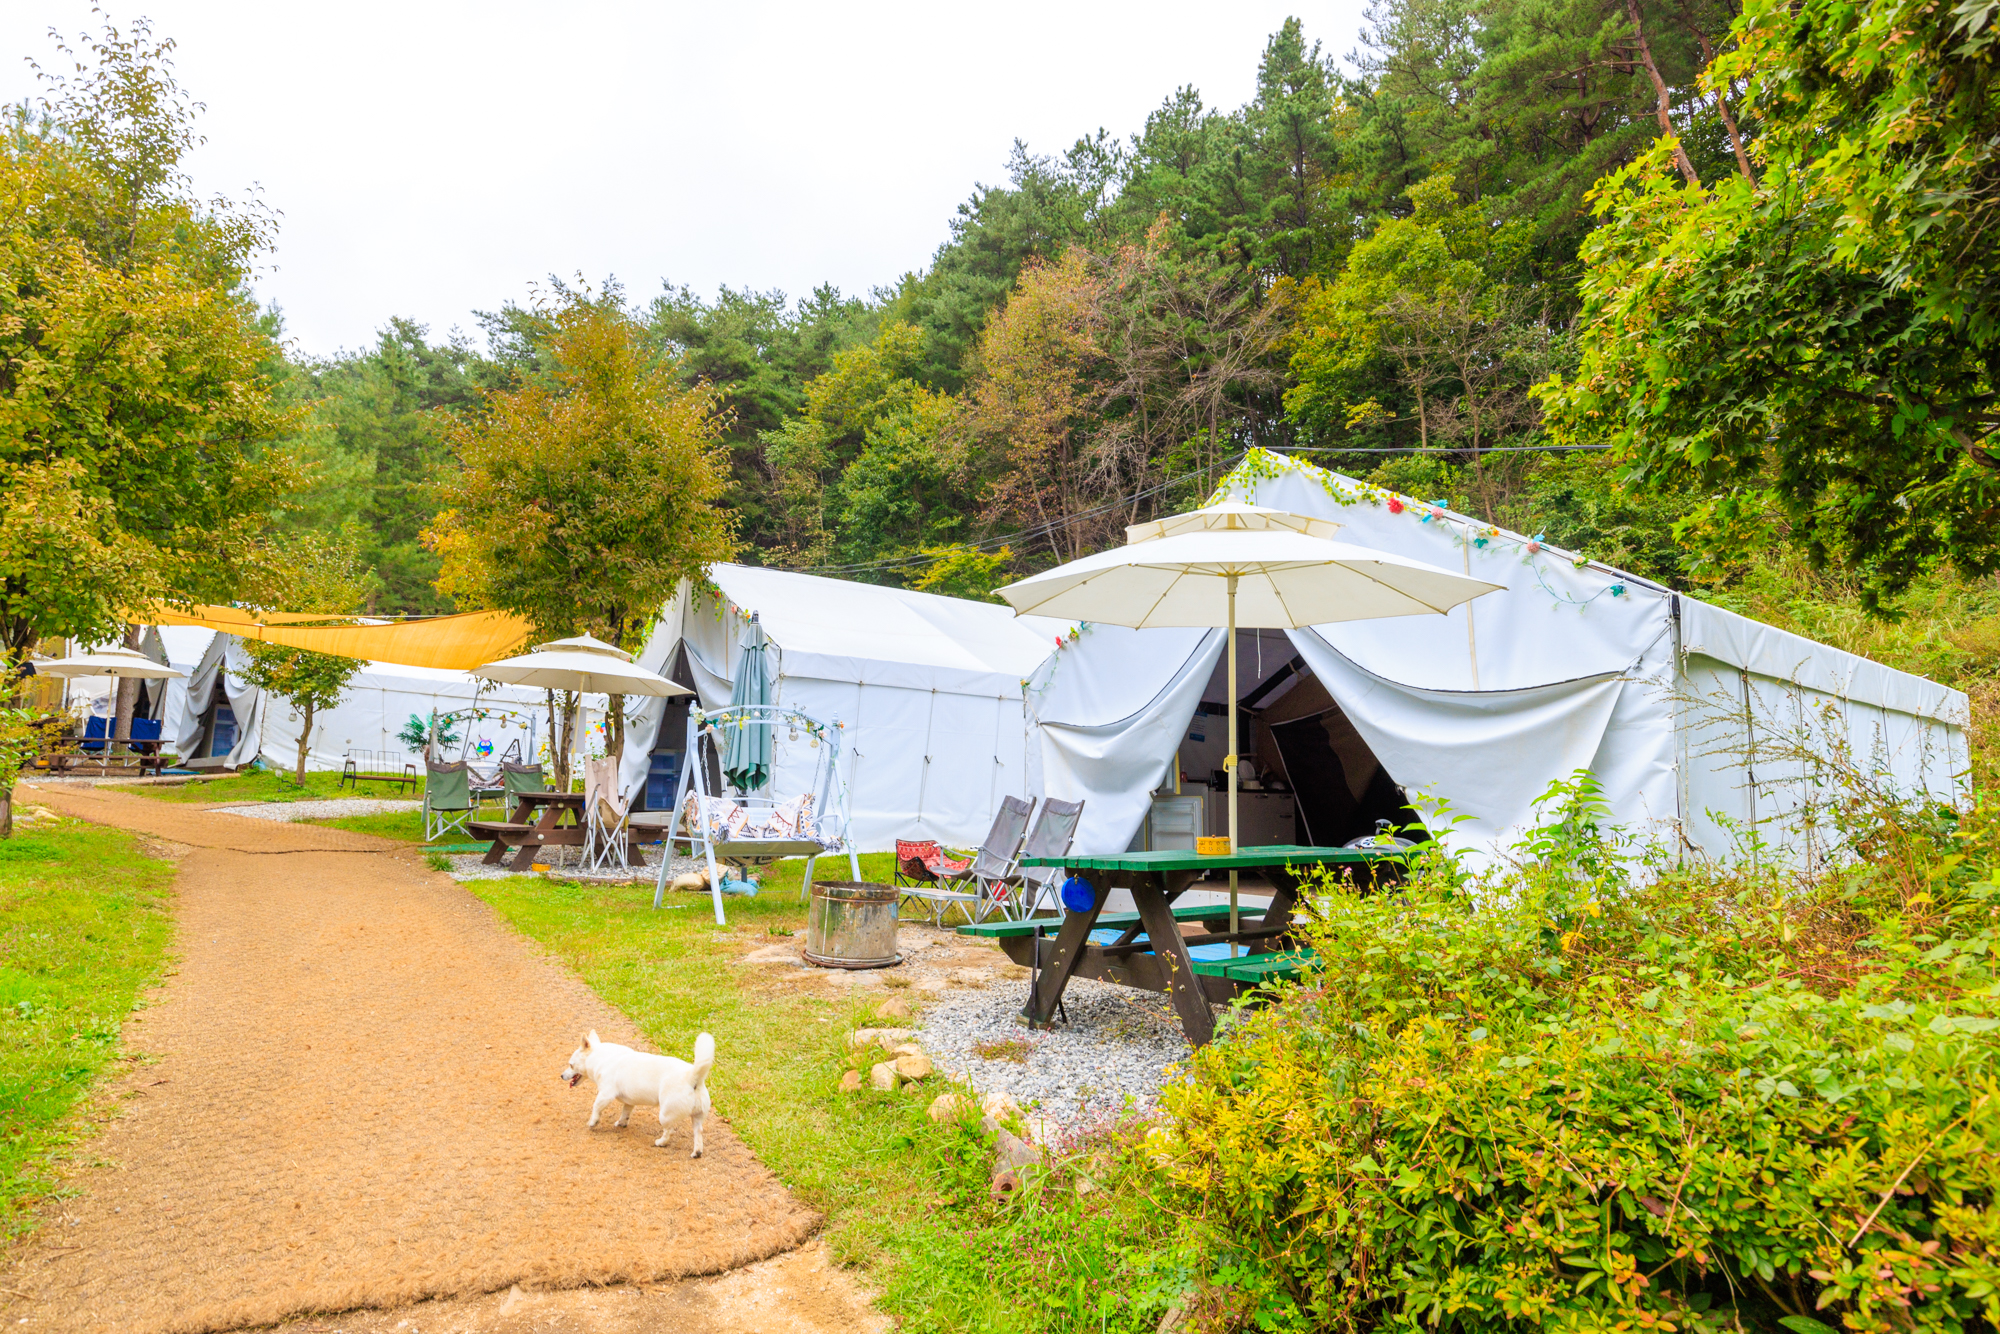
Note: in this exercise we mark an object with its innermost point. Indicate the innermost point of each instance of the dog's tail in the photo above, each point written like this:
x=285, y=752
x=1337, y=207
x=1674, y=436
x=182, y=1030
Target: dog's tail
x=704, y=1058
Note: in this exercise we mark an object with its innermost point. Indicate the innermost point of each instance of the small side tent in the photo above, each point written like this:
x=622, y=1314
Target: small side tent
x=927, y=688
x=226, y=722
x=1702, y=726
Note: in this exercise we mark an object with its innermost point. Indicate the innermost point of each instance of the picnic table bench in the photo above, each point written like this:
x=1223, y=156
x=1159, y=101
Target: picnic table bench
x=560, y=824
x=1126, y=948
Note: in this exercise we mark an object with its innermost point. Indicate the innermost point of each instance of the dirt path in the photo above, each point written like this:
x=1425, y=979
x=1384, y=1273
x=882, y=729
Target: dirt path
x=348, y=1098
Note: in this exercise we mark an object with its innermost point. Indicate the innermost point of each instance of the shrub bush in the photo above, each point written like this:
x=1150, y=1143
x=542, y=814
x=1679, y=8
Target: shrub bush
x=1582, y=1091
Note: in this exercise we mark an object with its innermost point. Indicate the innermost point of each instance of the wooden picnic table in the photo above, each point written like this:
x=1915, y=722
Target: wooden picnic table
x=559, y=825
x=1149, y=951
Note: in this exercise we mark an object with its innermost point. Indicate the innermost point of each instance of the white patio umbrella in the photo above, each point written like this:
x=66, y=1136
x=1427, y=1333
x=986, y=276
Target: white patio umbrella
x=1234, y=564
x=118, y=661
x=584, y=665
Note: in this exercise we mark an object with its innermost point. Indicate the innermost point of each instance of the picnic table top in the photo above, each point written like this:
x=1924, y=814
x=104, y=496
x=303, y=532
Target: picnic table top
x=1175, y=859
x=551, y=797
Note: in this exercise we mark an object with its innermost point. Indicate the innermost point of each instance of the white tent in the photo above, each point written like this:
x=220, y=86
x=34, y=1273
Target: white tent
x=376, y=706
x=1690, y=716
x=929, y=690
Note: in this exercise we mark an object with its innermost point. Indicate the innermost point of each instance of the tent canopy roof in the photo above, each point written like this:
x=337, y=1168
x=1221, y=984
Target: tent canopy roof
x=836, y=630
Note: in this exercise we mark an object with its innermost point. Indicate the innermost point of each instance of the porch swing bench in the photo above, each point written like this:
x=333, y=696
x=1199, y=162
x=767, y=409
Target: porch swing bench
x=742, y=831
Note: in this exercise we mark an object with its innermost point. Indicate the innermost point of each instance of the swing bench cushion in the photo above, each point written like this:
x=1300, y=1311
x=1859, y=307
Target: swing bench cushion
x=728, y=821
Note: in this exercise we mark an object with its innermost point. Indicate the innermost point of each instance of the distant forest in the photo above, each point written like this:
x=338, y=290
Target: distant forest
x=1374, y=262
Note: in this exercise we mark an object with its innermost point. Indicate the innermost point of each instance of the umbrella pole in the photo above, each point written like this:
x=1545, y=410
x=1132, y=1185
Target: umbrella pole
x=1229, y=765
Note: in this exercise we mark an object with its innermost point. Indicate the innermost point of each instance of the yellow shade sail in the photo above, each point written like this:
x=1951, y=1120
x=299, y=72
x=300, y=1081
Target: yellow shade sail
x=456, y=643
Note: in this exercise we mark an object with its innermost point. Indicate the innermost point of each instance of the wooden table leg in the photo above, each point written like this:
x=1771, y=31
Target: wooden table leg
x=525, y=857
x=1283, y=901
x=1164, y=933
x=1054, y=976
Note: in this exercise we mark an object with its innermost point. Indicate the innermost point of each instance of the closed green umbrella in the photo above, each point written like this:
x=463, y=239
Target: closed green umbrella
x=746, y=757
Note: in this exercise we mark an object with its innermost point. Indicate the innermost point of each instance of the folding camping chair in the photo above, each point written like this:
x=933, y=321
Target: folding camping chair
x=926, y=872
x=605, y=813
x=447, y=798
x=993, y=865
x=1054, y=831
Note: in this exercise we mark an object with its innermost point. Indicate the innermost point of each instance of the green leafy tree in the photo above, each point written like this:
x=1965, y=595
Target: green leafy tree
x=134, y=400
x=376, y=452
x=1818, y=347
x=584, y=496
x=312, y=574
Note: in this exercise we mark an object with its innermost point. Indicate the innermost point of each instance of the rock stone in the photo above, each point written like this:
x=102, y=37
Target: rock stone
x=870, y=1037
x=896, y=1007
x=949, y=1107
x=850, y=1081
x=913, y=1067
x=883, y=1077
x=1000, y=1104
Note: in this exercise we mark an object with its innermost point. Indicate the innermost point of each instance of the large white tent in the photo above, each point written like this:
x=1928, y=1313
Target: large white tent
x=929, y=690
x=377, y=705
x=1696, y=721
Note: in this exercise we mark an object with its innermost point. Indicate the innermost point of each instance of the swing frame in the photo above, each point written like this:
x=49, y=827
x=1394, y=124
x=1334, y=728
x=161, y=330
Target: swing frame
x=828, y=791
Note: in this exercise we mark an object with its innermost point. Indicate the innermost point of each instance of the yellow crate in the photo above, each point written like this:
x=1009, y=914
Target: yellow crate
x=1214, y=846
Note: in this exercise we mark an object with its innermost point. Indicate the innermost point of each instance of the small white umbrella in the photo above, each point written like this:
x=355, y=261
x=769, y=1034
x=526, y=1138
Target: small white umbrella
x=1233, y=564
x=119, y=662
x=582, y=664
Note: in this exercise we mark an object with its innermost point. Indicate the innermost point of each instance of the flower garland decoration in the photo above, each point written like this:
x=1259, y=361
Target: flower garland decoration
x=1261, y=465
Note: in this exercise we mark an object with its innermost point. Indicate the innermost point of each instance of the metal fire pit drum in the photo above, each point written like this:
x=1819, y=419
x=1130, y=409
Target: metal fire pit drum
x=852, y=924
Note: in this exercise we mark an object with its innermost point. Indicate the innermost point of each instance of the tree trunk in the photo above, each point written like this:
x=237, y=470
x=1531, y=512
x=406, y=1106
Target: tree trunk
x=125, y=697
x=1661, y=101
x=305, y=742
x=7, y=812
x=1735, y=137
x=614, y=726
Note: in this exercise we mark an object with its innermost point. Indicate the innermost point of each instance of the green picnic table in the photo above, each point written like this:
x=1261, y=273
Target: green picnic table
x=1148, y=951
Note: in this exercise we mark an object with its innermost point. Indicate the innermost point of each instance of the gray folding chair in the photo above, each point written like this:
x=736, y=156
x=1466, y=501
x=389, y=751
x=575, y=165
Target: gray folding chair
x=996, y=857
x=996, y=868
x=1054, y=831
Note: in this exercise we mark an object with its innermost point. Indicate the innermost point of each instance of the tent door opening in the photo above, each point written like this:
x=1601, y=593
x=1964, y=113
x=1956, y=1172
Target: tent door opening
x=1306, y=775
x=1342, y=791
x=663, y=771
x=221, y=730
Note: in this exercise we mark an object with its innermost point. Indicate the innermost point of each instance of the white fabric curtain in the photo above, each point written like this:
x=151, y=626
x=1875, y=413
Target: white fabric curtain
x=1111, y=711
x=1489, y=754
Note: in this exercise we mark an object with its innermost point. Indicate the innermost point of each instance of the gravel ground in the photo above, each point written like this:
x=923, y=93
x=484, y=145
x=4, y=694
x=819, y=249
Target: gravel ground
x=334, y=809
x=1111, y=1057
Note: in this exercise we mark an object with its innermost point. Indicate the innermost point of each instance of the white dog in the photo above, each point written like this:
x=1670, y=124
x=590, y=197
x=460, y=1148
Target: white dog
x=638, y=1079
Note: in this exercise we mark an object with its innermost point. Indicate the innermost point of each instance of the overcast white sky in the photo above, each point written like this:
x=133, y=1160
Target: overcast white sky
x=433, y=158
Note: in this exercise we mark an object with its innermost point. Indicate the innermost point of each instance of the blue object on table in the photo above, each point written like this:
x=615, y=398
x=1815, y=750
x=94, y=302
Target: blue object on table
x=1077, y=895
x=94, y=732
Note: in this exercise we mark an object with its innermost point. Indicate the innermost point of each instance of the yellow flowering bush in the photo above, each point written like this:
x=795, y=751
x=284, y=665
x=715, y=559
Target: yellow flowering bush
x=1584, y=1092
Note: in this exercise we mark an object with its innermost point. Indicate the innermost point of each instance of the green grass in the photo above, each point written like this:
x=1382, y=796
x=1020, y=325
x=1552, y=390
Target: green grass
x=406, y=826
x=903, y=1197
x=270, y=785
x=84, y=926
